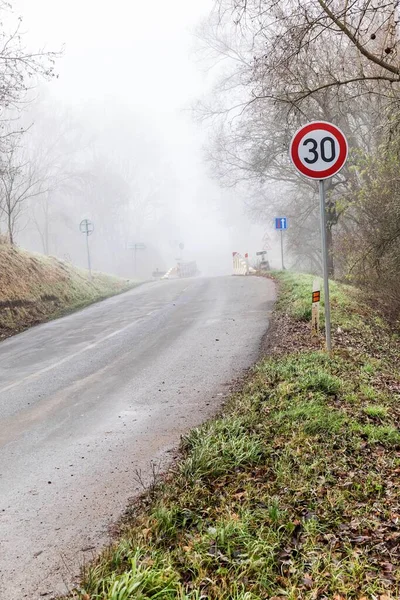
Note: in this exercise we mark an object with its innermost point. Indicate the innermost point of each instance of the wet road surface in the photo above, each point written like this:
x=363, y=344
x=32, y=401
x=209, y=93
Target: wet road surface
x=88, y=400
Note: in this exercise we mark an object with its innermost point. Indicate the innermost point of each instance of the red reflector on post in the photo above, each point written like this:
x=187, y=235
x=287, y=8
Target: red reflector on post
x=316, y=296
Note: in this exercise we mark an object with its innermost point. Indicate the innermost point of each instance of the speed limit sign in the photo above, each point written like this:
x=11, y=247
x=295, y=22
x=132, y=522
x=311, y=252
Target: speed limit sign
x=318, y=150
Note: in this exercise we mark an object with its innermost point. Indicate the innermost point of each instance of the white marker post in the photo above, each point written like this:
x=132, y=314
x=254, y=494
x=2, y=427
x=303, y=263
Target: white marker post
x=316, y=296
x=319, y=150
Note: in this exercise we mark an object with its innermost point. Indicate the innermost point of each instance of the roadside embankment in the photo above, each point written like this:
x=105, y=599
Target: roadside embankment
x=292, y=493
x=35, y=288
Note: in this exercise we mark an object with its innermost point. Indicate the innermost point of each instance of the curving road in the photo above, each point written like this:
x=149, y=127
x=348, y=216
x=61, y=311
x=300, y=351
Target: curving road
x=91, y=399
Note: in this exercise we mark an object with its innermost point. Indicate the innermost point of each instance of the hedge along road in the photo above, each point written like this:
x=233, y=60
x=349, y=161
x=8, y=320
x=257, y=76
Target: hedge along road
x=88, y=400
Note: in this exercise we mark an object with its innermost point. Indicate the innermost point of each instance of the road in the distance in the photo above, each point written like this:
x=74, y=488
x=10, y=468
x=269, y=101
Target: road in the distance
x=87, y=400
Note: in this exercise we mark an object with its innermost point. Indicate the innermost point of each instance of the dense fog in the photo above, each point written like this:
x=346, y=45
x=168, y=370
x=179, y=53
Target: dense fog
x=112, y=138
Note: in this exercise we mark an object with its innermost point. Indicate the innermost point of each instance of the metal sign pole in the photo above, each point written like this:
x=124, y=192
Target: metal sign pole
x=281, y=224
x=88, y=252
x=135, y=247
x=86, y=226
x=325, y=266
x=135, y=259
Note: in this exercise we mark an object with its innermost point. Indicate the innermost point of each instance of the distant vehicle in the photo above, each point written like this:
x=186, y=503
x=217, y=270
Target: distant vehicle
x=182, y=270
x=187, y=269
x=264, y=265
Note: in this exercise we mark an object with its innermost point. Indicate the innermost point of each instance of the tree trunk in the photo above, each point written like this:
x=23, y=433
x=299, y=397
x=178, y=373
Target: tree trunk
x=10, y=229
x=46, y=237
x=46, y=225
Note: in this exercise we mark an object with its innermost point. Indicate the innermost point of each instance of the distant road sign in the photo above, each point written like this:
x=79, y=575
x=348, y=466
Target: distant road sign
x=280, y=223
x=86, y=226
x=261, y=253
x=319, y=150
x=136, y=247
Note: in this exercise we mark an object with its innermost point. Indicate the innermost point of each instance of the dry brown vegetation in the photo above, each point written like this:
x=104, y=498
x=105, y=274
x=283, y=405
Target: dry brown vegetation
x=36, y=288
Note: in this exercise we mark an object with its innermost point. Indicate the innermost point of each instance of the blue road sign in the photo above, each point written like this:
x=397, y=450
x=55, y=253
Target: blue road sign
x=280, y=223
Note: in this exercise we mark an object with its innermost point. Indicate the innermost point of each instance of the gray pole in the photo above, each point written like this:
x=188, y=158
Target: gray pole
x=135, y=258
x=283, y=265
x=325, y=266
x=88, y=251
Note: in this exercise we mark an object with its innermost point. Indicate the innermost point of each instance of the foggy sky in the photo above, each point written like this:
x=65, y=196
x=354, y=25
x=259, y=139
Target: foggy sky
x=140, y=56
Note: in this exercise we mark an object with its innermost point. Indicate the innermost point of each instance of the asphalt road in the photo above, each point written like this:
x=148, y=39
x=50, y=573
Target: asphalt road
x=91, y=399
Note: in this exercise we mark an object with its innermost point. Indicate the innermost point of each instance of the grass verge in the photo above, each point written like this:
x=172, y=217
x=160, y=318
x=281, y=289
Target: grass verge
x=292, y=493
x=36, y=288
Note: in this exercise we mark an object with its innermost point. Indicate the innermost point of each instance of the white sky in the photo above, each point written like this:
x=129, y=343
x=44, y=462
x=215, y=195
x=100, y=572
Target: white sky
x=133, y=49
x=141, y=54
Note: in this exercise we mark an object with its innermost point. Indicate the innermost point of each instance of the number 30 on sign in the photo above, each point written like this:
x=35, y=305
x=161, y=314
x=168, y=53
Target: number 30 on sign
x=319, y=150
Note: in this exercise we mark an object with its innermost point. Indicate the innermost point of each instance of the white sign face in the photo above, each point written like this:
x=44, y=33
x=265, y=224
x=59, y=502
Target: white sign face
x=319, y=150
x=86, y=226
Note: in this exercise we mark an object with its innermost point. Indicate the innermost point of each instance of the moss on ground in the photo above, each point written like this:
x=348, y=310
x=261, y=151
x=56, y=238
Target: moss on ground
x=292, y=493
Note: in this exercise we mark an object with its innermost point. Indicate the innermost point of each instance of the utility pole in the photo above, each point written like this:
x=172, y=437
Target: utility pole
x=86, y=226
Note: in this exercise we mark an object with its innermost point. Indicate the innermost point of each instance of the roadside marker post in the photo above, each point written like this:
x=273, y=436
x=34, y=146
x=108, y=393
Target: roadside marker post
x=316, y=296
x=281, y=224
x=319, y=150
x=86, y=226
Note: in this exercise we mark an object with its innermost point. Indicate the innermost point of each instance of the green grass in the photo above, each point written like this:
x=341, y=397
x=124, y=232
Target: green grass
x=376, y=411
x=347, y=310
x=292, y=492
x=35, y=288
x=220, y=447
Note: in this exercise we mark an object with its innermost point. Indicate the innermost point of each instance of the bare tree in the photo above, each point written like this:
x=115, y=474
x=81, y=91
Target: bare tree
x=290, y=34
x=20, y=181
x=289, y=61
x=57, y=143
x=19, y=67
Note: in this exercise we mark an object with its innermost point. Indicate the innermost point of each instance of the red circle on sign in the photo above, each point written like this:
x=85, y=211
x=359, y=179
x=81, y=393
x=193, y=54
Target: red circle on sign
x=336, y=133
